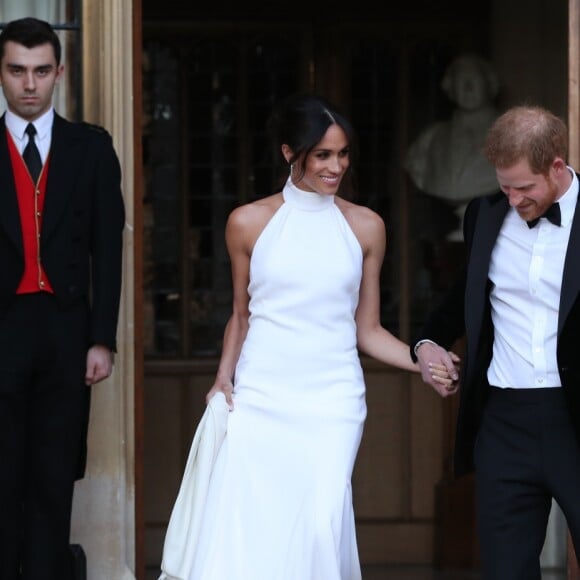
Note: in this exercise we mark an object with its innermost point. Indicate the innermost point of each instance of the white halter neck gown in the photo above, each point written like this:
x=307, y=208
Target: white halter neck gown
x=280, y=501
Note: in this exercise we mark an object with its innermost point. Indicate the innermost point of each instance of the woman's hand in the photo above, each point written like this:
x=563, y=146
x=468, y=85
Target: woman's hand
x=224, y=386
x=439, y=368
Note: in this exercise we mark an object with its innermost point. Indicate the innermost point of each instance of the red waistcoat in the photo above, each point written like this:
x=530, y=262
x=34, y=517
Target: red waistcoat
x=31, y=205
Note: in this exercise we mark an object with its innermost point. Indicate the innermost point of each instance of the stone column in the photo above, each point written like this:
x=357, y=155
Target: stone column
x=104, y=505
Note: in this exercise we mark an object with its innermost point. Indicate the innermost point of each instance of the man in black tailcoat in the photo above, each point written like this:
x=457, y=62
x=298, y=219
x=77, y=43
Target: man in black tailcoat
x=61, y=230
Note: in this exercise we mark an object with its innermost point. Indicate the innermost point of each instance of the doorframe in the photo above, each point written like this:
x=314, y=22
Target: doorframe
x=574, y=159
x=138, y=180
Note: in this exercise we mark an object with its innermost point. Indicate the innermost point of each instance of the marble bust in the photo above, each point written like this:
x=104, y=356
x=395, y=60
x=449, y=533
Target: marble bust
x=446, y=159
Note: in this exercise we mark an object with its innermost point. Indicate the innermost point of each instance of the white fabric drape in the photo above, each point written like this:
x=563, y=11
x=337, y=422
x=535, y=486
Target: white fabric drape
x=49, y=10
x=184, y=527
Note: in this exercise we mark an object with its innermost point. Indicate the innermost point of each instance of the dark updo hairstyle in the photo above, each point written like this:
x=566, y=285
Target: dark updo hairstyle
x=30, y=33
x=301, y=121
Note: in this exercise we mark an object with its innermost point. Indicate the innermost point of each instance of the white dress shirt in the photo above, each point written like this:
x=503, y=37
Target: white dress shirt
x=43, y=125
x=526, y=274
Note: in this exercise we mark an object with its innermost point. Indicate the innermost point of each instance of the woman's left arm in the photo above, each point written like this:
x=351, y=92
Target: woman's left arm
x=373, y=339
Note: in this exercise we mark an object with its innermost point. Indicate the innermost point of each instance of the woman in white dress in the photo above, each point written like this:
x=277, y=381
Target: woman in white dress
x=305, y=266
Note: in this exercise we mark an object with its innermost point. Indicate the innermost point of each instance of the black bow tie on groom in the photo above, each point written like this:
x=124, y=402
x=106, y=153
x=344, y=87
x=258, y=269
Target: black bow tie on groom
x=551, y=214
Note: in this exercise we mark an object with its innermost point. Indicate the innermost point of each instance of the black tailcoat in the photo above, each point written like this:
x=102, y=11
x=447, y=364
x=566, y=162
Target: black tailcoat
x=81, y=238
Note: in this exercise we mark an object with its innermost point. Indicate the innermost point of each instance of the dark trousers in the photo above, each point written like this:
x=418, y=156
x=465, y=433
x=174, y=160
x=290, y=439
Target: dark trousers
x=43, y=414
x=526, y=454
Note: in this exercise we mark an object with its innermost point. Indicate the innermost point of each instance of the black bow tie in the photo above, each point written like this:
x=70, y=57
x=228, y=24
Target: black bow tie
x=551, y=214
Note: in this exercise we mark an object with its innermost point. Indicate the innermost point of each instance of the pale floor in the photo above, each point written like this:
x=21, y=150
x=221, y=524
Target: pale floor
x=415, y=573
x=427, y=573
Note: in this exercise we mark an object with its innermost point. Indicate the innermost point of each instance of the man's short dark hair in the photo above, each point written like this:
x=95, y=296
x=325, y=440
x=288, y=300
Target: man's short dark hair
x=30, y=32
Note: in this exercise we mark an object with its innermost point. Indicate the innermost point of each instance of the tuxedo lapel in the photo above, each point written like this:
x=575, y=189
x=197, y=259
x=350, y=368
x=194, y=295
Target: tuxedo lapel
x=492, y=211
x=65, y=162
x=571, y=277
x=9, y=212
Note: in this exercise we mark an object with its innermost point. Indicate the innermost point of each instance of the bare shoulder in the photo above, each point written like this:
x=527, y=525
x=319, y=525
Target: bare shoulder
x=367, y=225
x=247, y=221
x=253, y=213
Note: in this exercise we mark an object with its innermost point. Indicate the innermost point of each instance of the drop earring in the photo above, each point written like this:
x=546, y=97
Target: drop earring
x=291, y=168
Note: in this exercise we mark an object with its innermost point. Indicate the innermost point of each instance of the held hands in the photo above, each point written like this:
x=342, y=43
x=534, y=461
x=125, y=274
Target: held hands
x=224, y=386
x=439, y=368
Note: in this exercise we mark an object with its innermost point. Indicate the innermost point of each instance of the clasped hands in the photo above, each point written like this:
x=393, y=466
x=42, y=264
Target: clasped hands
x=439, y=368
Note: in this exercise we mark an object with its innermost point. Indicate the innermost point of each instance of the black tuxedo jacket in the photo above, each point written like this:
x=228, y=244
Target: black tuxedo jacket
x=466, y=311
x=82, y=226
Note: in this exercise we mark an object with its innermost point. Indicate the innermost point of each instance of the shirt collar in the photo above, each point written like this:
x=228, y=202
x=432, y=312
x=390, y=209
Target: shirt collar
x=17, y=125
x=568, y=200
